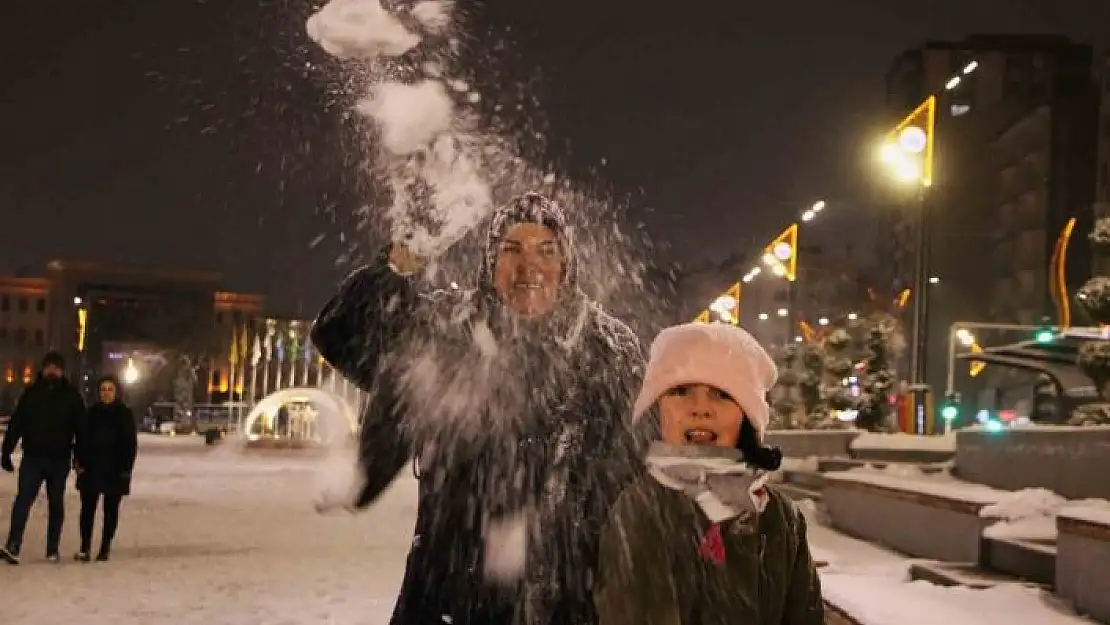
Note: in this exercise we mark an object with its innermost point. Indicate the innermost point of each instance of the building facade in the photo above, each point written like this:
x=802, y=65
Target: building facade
x=144, y=325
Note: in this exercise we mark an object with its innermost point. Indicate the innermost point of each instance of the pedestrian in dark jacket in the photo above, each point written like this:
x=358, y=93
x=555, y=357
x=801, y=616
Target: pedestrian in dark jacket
x=45, y=420
x=701, y=539
x=514, y=399
x=106, y=448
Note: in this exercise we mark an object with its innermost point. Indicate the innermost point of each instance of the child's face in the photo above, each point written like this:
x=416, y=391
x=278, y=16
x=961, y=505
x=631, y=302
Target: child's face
x=697, y=414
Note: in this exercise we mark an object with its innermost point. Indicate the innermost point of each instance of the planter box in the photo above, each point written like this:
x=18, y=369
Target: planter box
x=1059, y=458
x=938, y=520
x=806, y=443
x=1082, y=554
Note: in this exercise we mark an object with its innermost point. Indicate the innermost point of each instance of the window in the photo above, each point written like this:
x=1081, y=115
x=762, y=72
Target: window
x=39, y=338
x=40, y=305
x=20, y=336
x=23, y=304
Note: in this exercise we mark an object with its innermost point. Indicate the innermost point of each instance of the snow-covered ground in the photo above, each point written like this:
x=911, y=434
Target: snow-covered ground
x=216, y=536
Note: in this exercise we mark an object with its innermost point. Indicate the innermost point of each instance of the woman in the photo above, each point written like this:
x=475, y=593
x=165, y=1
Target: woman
x=515, y=400
x=106, y=450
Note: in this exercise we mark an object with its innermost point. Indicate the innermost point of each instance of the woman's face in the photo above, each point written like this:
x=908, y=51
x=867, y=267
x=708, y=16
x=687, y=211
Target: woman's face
x=529, y=269
x=107, y=392
x=698, y=414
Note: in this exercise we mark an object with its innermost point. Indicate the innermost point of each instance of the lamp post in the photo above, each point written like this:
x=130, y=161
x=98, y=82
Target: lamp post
x=907, y=152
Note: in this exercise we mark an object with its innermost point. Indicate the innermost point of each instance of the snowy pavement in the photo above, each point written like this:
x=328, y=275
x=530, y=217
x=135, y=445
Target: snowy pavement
x=216, y=536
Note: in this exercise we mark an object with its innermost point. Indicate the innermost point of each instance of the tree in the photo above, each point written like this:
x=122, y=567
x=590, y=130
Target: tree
x=840, y=363
x=1094, y=355
x=877, y=379
x=185, y=385
x=811, y=373
x=786, y=399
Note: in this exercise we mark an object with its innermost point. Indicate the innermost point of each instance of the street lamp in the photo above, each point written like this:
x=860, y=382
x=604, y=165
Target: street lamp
x=907, y=152
x=130, y=372
x=782, y=312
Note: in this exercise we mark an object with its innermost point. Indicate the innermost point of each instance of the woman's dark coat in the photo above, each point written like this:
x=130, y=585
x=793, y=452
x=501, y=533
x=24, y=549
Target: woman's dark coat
x=439, y=366
x=107, y=444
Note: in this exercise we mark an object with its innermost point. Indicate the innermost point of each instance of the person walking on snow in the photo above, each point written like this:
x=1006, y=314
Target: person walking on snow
x=106, y=450
x=46, y=420
x=514, y=399
x=701, y=539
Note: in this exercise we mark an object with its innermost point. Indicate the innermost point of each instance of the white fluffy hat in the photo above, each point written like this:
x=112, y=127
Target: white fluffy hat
x=717, y=354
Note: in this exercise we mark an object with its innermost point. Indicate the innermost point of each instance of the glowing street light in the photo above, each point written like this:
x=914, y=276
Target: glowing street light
x=824, y=321
x=934, y=280
x=763, y=316
x=782, y=312
x=130, y=373
x=965, y=337
x=970, y=67
x=852, y=316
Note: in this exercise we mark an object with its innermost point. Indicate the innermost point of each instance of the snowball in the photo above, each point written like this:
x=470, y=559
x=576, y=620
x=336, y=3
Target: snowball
x=433, y=15
x=506, y=547
x=359, y=29
x=410, y=116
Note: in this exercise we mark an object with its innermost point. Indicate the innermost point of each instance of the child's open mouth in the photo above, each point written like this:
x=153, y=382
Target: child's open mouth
x=700, y=436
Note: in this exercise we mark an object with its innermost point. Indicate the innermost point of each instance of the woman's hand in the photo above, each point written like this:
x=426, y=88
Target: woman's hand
x=404, y=261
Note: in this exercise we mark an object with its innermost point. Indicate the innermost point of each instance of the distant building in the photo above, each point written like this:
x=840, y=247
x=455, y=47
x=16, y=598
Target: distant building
x=1015, y=160
x=111, y=319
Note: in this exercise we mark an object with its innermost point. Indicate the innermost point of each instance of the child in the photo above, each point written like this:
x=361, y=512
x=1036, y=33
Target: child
x=700, y=539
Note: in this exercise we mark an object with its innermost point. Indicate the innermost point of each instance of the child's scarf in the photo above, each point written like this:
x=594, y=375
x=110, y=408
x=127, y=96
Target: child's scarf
x=714, y=477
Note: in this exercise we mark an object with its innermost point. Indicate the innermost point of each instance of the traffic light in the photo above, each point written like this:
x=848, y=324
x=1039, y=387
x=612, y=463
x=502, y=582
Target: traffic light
x=1044, y=335
x=951, y=408
x=781, y=254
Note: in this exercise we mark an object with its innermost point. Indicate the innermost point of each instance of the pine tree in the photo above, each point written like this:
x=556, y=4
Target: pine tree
x=877, y=380
x=785, y=396
x=811, y=374
x=839, y=365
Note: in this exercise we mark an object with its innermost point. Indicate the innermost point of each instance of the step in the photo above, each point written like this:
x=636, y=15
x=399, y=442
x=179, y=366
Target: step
x=811, y=480
x=961, y=574
x=836, y=616
x=798, y=493
x=1030, y=560
x=908, y=456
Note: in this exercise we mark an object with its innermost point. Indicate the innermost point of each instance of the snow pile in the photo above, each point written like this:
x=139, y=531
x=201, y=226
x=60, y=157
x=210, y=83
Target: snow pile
x=1030, y=514
x=879, y=600
x=1027, y=514
x=903, y=441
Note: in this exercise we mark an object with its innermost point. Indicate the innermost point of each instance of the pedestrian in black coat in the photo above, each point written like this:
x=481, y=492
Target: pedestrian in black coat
x=515, y=400
x=106, y=448
x=45, y=421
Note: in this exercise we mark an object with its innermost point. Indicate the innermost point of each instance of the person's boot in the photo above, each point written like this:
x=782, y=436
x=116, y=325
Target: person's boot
x=9, y=554
x=82, y=556
x=53, y=557
x=105, y=552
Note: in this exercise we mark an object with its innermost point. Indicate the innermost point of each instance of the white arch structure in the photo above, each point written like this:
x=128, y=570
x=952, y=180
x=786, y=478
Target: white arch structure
x=337, y=416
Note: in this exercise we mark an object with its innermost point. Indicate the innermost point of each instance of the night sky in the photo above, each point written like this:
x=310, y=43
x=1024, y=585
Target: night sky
x=192, y=134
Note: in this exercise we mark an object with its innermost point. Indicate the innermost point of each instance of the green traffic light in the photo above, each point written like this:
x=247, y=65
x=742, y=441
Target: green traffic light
x=949, y=412
x=1044, y=336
